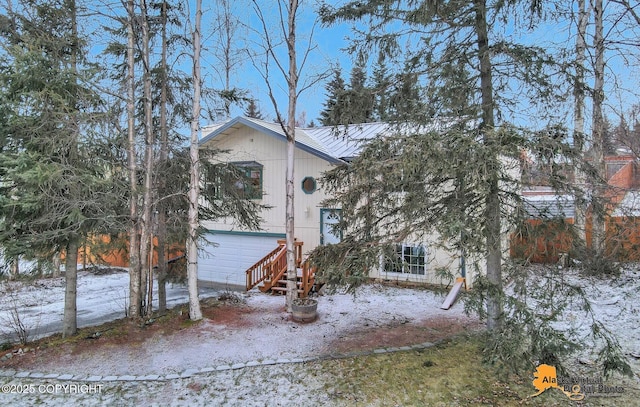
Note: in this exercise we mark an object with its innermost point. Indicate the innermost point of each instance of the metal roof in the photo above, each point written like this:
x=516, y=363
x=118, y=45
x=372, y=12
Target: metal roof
x=549, y=206
x=629, y=206
x=303, y=140
x=333, y=143
x=346, y=141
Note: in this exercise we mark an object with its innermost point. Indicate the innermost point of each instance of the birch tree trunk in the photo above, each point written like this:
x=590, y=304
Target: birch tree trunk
x=135, y=296
x=164, y=153
x=147, y=204
x=194, y=182
x=56, y=265
x=292, y=82
x=598, y=227
x=291, y=75
x=14, y=267
x=578, y=135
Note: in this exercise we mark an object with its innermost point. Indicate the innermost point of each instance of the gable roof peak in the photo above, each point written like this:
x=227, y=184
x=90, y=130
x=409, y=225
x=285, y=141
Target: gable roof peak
x=303, y=140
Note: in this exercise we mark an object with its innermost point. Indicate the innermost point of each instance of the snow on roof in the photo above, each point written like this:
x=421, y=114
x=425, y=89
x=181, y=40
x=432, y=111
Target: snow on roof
x=549, y=206
x=629, y=206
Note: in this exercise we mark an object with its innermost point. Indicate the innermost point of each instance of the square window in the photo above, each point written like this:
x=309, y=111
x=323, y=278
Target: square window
x=251, y=186
x=406, y=259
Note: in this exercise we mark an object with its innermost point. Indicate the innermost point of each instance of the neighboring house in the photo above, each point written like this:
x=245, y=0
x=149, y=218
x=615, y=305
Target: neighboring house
x=548, y=235
x=260, y=148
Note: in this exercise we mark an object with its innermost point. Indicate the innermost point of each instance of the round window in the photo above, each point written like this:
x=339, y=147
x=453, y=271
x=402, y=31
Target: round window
x=309, y=185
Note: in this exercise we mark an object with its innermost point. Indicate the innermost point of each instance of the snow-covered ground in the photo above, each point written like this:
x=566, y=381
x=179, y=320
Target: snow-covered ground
x=261, y=331
x=615, y=303
x=101, y=298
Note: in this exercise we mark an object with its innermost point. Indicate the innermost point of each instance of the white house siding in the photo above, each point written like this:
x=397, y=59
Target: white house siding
x=437, y=257
x=246, y=144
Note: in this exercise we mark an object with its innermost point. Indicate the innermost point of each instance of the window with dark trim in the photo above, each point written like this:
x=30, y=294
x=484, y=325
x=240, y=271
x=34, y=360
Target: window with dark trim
x=406, y=259
x=251, y=186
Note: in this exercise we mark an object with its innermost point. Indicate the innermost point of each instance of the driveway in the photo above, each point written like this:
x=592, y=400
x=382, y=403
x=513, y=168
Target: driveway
x=39, y=306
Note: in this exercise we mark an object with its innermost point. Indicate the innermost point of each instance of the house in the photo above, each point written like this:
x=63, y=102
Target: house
x=548, y=234
x=259, y=148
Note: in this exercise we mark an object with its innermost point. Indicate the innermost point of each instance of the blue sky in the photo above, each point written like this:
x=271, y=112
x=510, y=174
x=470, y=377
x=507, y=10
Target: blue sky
x=327, y=44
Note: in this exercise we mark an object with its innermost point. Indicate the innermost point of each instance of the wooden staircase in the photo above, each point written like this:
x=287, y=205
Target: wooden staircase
x=271, y=272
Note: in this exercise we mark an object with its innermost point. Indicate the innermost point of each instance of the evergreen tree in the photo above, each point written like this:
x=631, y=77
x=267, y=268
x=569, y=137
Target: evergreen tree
x=405, y=100
x=358, y=98
x=334, y=108
x=55, y=188
x=609, y=142
x=627, y=133
x=352, y=103
x=381, y=88
x=457, y=176
x=253, y=110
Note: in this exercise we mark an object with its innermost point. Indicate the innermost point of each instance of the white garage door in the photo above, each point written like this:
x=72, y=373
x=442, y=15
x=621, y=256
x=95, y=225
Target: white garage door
x=227, y=262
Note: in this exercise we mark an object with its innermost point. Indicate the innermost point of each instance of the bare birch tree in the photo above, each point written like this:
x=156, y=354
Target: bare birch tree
x=598, y=128
x=288, y=15
x=194, y=180
x=148, y=187
x=227, y=52
x=134, y=236
x=163, y=158
x=292, y=82
x=578, y=134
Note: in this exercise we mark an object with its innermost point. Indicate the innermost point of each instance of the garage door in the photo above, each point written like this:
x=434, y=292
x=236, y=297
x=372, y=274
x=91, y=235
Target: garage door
x=227, y=255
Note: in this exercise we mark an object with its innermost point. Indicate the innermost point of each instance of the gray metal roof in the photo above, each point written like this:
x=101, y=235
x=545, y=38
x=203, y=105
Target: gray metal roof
x=629, y=206
x=332, y=143
x=346, y=141
x=549, y=206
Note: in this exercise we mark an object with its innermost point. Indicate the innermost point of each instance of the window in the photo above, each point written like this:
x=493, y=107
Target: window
x=407, y=259
x=309, y=185
x=251, y=186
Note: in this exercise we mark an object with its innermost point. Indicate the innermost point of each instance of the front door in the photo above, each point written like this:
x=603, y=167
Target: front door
x=328, y=218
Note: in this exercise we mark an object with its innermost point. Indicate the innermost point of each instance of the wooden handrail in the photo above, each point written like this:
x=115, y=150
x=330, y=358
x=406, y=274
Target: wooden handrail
x=276, y=270
x=273, y=266
x=297, y=248
x=262, y=268
x=308, y=278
